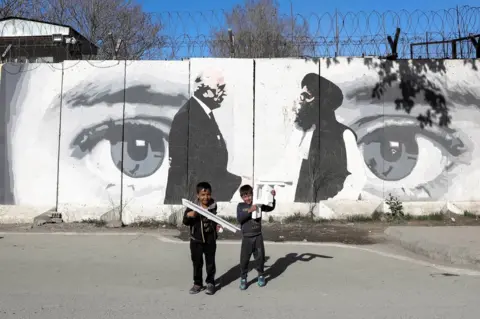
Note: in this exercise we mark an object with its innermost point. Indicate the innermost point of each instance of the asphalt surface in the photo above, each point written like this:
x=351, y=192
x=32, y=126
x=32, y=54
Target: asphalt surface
x=142, y=276
x=456, y=245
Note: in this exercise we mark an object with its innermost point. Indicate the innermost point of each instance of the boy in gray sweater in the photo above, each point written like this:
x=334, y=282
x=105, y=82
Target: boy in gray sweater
x=252, y=238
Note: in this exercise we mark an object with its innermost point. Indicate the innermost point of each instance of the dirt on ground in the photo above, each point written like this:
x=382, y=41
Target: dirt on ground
x=361, y=232
x=337, y=233
x=354, y=232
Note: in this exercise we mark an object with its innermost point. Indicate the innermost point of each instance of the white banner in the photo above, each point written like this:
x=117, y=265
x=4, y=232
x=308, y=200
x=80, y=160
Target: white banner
x=210, y=216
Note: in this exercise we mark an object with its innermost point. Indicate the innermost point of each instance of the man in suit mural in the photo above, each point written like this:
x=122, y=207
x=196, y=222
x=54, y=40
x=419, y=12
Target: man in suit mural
x=323, y=172
x=196, y=146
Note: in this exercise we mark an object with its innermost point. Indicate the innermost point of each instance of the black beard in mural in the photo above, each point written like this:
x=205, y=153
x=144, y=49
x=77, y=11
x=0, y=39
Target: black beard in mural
x=323, y=173
x=196, y=146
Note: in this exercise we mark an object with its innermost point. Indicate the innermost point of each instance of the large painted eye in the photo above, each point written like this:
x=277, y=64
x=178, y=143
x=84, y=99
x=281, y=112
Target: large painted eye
x=398, y=153
x=144, y=148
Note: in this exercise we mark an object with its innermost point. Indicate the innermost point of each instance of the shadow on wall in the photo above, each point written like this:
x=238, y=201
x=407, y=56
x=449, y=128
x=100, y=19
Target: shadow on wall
x=410, y=77
x=405, y=153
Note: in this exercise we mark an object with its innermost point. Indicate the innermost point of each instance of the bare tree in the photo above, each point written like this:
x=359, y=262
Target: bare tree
x=19, y=8
x=11, y=7
x=260, y=32
x=103, y=22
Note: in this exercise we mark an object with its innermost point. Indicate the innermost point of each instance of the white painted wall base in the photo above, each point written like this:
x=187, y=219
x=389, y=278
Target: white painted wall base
x=19, y=214
x=161, y=213
x=329, y=209
x=77, y=213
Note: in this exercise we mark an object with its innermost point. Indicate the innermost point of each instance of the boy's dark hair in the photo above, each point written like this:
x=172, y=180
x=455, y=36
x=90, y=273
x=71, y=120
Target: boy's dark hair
x=204, y=186
x=246, y=190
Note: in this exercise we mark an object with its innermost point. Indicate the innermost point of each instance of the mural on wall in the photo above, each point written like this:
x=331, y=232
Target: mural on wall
x=154, y=95
x=140, y=134
x=312, y=156
x=374, y=145
x=383, y=100
x=90, y=134
x=30, y=130
x=220, y=92
x=324, y=171
x=195, y=135
x=116, y=119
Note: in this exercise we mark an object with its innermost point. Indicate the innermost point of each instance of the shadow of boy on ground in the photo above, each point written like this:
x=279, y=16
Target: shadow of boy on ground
x=282, y=263
x=233, y=274
x=272, y=272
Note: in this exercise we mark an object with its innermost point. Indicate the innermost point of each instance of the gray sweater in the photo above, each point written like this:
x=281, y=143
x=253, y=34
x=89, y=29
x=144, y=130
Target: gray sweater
x=251, y=227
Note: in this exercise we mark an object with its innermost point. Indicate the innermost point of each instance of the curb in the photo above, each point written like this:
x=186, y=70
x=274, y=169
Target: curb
x=433, y=251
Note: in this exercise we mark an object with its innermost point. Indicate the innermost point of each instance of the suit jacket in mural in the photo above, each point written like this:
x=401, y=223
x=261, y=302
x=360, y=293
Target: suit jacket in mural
x=198, y=153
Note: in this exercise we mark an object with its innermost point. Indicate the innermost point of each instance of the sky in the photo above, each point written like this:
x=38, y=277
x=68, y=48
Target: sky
x=307, y=6
x=189, y=21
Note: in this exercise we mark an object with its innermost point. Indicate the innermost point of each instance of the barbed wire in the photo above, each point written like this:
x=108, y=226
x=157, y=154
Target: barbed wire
x=191, y=34
x=343, y=34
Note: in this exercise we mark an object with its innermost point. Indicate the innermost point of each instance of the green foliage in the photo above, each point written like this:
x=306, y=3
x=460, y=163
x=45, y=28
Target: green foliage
x=395, y=206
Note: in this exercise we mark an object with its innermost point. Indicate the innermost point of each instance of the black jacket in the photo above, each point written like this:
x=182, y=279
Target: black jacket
x=202, y=229
x=251, y=227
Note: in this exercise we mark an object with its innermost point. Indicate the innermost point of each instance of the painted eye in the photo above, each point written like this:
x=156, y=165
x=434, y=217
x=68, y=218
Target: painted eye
x=143, y=151
x=144, y=147
x=397, y=151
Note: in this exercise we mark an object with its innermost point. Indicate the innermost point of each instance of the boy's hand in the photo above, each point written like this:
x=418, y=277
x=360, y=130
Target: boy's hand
x=273, y=192
x=252, y=209
x=192, y=214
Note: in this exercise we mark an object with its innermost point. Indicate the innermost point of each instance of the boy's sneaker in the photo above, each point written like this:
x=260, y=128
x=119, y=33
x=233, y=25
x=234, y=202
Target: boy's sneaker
x=243, y=284
x=210, y=289
x=195, y=289
x=261, y=281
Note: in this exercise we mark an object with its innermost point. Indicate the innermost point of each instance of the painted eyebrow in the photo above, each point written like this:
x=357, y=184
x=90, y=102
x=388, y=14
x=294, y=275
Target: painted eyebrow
x=465, y=97
x=141, y=94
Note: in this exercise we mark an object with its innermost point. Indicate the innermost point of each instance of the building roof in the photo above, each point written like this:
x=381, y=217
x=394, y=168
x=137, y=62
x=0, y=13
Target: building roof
x=78, y=34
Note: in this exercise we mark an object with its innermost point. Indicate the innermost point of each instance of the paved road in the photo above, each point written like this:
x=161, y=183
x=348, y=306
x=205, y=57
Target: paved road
x=457, y=245
x=121, y=276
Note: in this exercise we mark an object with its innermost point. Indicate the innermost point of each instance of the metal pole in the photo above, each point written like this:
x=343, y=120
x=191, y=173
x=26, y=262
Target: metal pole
x=426, y=46
x=114, y=55
x=231, y=39
x=459, y=32
x=293, y=27
x=336, y=34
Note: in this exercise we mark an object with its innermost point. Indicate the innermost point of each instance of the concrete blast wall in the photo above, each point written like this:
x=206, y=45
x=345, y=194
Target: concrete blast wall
x=90, y=137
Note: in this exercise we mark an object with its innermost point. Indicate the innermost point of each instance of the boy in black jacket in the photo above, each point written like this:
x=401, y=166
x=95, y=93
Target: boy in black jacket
x=252, y=238
x=203, y=239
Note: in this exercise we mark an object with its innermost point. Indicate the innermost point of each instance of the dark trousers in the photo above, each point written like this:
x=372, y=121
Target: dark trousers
x=252, y=245
x=197, y=250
